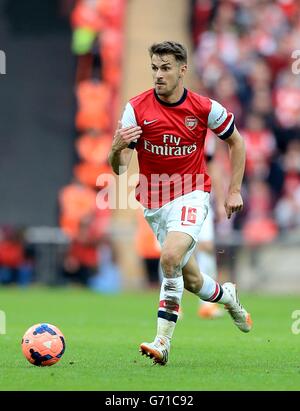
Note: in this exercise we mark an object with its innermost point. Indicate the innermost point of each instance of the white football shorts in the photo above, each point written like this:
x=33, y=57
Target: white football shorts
x=186, y=214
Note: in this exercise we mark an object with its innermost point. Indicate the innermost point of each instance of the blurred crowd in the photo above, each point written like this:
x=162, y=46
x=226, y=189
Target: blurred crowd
x=243, y=55
x=17, y=257
x=97, y=30
x=97, y=43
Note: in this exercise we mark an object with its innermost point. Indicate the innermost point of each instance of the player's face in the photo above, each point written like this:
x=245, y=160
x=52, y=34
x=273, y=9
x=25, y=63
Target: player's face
x=167, y=74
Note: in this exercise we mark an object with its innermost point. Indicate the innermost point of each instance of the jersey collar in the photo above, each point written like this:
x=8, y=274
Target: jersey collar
x=182, y=99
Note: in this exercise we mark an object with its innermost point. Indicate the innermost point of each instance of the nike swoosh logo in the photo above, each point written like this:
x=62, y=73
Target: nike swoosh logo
x=149, y=122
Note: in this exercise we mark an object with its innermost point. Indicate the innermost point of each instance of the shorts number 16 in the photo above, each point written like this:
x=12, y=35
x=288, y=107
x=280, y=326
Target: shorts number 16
x=188, y=215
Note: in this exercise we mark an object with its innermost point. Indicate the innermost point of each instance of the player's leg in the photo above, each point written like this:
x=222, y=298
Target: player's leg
x=205, y=250
x=207, y=262
x=208, y=289
x=206, y=259
x=177, y=227
x=175, y=247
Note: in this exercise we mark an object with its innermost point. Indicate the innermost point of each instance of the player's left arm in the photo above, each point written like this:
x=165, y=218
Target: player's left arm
x=237, y=151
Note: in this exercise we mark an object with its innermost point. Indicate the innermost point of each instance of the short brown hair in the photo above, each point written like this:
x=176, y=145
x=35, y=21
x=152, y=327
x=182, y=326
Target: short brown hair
x=169, y=47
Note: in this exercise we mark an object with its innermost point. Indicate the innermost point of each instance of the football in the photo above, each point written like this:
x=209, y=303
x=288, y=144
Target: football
x=43, y=344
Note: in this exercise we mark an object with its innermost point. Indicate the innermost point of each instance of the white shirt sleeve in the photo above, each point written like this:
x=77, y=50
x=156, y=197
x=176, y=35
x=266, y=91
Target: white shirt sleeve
x=220, y=121
x=128, y=117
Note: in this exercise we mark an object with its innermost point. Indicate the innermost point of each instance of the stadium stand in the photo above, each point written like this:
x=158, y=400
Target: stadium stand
x=243, y=58
x=16, y=258
x=148, y=249
x=97, y=43
x=246, y=64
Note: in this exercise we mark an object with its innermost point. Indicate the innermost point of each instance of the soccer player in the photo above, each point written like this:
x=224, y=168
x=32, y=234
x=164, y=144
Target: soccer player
x=167, y=126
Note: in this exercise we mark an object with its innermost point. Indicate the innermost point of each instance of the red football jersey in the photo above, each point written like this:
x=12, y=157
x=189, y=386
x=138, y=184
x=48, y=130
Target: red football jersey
x=171, y=147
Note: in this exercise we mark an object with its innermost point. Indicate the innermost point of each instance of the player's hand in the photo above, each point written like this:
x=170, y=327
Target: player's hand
x=124, y=136
x=233, y=203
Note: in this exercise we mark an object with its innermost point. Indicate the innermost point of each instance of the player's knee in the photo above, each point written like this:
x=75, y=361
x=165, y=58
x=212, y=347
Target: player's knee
x=170, y=263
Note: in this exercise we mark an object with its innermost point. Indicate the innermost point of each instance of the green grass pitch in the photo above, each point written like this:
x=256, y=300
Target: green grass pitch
x=103, y=333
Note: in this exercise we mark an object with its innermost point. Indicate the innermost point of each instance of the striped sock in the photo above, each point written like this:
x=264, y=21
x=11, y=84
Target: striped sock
x=169, y=301
x=212, y=291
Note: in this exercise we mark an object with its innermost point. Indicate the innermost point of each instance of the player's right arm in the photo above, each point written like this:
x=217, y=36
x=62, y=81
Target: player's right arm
x=120, y=155
x=124, y=141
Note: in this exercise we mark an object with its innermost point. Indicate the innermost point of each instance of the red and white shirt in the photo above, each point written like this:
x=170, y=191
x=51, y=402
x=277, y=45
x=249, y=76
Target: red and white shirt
x=171, y=148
